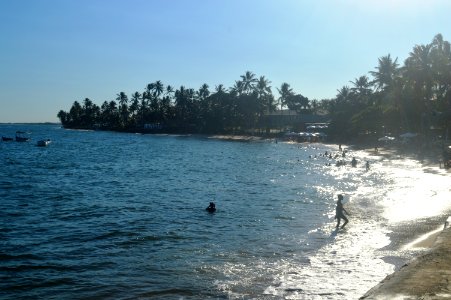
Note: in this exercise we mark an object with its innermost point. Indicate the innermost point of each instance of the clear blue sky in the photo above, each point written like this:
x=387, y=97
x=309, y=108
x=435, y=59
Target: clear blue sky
x=53, y=52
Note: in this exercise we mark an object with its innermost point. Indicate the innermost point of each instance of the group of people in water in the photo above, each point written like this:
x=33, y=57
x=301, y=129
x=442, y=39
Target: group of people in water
x=339, y=209
x=337, y=156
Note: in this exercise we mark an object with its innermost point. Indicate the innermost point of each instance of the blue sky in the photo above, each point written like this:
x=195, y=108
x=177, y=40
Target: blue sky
x=53, y=52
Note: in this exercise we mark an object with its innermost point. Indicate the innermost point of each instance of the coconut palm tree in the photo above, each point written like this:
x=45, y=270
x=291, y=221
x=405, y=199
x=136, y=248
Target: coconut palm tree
x=75, y=112
x=344, y=94
x=419, y=67
x=285, y=92
x=123, y=108
x=386, y=72
x=263, y=86
x=361, y=86
x=134, y=106
x=238, y=88
x=89, y=115
x=220, y=89
x=441, y=68
x=248, y=82
x=158, y=88
x=418, y=72
x=203, y=92
x=169, y=90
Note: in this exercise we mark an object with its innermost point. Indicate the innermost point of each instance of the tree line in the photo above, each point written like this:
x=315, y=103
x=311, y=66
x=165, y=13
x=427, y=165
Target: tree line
x=236, y=109
x=394, y=98
x=413, y=97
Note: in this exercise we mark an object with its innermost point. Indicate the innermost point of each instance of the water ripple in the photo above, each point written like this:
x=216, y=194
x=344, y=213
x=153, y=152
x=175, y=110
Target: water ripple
x=101, y=215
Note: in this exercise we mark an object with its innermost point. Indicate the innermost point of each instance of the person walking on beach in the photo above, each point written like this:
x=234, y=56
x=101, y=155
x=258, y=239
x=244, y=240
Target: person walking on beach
x=339, y=212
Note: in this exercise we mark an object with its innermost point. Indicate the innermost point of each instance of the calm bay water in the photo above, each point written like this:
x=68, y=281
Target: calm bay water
x=106, y=215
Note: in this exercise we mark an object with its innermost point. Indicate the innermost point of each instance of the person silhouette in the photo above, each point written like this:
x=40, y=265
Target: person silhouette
x=211, y=208
x=339, y=212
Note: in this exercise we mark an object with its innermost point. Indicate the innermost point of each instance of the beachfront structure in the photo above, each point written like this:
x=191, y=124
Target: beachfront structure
x=291, y=120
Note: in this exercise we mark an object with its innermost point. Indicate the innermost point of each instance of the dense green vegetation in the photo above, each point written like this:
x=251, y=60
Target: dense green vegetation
x=414, y=97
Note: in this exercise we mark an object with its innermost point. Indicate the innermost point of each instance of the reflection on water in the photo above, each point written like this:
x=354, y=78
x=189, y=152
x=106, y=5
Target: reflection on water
x=108, y=215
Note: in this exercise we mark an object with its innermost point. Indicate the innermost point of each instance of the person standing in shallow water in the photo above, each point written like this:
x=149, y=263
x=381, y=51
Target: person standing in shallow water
x=339, y=212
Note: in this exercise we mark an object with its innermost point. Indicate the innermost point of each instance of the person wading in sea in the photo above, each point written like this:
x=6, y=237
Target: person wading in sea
x=339, y=212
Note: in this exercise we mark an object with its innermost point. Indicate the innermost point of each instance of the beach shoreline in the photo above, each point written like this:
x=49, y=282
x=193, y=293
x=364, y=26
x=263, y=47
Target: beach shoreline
x=428, y=276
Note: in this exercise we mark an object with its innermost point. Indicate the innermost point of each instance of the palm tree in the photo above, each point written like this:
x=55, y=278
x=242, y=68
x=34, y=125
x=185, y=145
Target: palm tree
x=361, y=91
x=144, y=106
x=441, y=67
x=169, y=90
x=134, y=107
x=387, y=72
x=263, y=86
x=76, y=111
x=285, y=92
x=264, y=94
x=158, y=88
x=418, y=72
x=123, y=100
x=149, y=88
x=419, y=66
x=248, y=81
x=64, y=118
x=220, y=89
x=361, y=85
x=203, y=92
x=344, y=94
x=111, y=114
x=89, y=115
x=238, y=88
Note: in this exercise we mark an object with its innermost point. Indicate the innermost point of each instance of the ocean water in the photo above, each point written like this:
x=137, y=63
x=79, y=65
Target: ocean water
x=103, y=215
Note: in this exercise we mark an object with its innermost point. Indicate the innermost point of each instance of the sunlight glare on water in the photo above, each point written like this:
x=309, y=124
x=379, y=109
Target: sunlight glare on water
x=109, y=215
x=416, y=194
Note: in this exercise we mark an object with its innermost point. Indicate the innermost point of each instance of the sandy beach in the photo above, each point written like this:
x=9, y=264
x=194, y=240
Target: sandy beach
x=426, y=277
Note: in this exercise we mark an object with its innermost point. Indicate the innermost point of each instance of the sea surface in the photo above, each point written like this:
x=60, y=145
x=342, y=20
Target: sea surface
x=104, y=215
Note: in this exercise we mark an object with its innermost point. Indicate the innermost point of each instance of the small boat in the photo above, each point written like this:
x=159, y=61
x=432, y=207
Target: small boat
x=7, y=139
x=44, y=143
x=20, y=136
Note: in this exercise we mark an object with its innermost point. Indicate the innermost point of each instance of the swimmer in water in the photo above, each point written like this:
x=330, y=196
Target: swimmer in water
x=211, y=208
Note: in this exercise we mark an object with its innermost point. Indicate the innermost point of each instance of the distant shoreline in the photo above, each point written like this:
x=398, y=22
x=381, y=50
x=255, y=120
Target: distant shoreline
x=30, y=123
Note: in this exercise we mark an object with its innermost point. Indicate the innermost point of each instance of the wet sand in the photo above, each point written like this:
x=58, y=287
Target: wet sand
x=426, y=277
